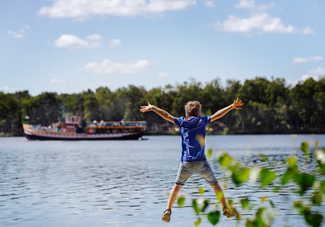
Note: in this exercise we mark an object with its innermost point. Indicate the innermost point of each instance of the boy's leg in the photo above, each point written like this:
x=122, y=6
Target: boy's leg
x=173, y=196
x=185, y=170
x=206, y=172
x=219, y=193
x=221, y=197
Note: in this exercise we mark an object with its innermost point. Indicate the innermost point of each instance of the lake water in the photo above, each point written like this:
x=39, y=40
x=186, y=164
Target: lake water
x=126, y=183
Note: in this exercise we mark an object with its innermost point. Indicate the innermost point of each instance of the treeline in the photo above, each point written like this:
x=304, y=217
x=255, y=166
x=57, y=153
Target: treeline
x=270, y=105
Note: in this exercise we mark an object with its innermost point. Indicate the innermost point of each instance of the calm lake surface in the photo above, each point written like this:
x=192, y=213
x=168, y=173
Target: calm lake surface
x=126, y=183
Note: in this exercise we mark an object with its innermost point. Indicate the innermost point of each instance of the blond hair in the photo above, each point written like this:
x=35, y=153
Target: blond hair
x=193, y=108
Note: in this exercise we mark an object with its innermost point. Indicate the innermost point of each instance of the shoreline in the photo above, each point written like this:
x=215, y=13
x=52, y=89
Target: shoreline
x=164, y=133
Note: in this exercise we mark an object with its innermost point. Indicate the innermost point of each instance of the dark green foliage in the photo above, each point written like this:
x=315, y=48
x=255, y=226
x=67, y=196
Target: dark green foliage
x=199, y=206
x=310, y=181
x=304, y=181
x=269, y=105
x=214, y=217
x=312, y=218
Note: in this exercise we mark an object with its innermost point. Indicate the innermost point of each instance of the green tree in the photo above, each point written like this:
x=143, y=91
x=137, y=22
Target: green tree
x=91, y=108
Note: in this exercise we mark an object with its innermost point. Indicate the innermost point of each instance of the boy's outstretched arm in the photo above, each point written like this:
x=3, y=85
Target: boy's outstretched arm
x=220, y=113
x=164, y=114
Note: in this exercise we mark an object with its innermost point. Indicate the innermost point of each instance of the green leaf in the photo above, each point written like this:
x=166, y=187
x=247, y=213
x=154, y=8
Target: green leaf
x=181, y=201
x=205, y=205
x=244, y=203
x=292, y=161
x=214, y=217
x=304, y=181
x=267, y=177
x=286, y=177
x=240, y=175
x=201, y=190
x=312, y=219
x=263, y=157
x=272, y=204
x=316, y=198
x=305, y=149
x=224, y=159
x=322, y=187
x=276, y=189
x=209, y=153
x=299, y=206
x=195, y=207
x=220, y=195
x=198, y=222
x=200, y=205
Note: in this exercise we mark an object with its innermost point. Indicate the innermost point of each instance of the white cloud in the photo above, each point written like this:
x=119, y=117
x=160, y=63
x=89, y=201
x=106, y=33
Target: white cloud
x=115, y=42
x=303, y=79
x=315, y=74
x=86, y=8
x=307, y=31
x=305, y=60
x=245, y=4
x=258, y=22
x=316, y=58
x=70, y=41
x=318, y=71
x=94, y=37
x=108, y=67
x=15, y=34
x=163, y=75
x=21, y=32
x=73, y=42
x=58, y=81
x=250, y=4
x=7, y=89
x=209, y=3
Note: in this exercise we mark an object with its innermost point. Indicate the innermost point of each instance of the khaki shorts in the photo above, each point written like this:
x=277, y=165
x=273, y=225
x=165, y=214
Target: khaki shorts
x=186, y=169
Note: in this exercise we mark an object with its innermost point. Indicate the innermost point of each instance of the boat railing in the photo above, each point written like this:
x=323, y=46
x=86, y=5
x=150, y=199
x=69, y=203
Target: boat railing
x=119, y=123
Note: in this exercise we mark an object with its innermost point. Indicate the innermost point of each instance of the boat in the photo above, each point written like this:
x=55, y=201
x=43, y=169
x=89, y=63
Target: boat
x=70, y=129
x=113, y=130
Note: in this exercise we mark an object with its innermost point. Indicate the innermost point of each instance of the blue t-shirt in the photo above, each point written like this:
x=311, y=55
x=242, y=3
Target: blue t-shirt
x=191, y=129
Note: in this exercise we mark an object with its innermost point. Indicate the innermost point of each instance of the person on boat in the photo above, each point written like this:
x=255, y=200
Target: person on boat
x=193, y=159
x=102, y=123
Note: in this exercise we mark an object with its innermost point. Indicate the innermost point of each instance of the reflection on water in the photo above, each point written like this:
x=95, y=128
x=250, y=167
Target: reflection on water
x=125, y=183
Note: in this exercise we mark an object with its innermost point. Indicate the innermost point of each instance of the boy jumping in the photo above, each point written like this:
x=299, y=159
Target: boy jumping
x=193, y=158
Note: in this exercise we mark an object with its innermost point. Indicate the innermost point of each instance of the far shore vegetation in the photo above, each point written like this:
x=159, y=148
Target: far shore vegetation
x=270, y=106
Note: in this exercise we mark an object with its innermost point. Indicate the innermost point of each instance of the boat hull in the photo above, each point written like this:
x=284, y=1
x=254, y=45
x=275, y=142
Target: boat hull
x=32, y=134
x=75, y=138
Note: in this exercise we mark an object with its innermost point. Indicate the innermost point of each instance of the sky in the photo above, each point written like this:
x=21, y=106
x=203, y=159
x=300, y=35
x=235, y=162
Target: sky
x=68, y=46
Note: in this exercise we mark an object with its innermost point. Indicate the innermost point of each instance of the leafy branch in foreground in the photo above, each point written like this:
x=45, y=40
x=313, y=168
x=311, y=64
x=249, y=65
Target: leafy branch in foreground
x=308, y=178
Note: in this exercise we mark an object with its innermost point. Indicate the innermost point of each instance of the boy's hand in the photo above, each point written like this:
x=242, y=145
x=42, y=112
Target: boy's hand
x=229, y=213
x=237, y=104
x=146, y=108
